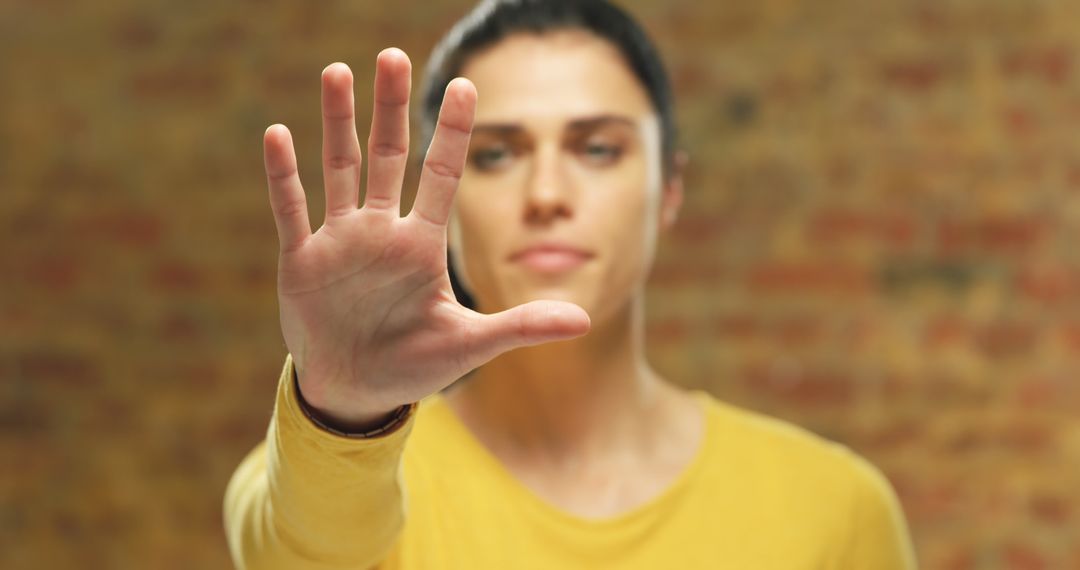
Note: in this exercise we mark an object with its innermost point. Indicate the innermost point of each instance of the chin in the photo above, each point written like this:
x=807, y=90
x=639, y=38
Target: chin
x=503, y=289
x=581, y=298
x=553, y=293
x=520, y=293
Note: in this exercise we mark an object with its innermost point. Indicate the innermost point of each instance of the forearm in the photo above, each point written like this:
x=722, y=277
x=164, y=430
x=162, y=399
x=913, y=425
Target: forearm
x=310, y=498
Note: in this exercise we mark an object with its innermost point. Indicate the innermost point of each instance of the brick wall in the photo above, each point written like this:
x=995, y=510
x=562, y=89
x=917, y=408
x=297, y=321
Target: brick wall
x=877, y=245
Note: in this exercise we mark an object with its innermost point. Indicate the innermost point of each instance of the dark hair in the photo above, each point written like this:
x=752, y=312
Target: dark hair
x=492, y=20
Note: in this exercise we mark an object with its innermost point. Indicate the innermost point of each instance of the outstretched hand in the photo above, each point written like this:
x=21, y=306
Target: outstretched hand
x=366, y=306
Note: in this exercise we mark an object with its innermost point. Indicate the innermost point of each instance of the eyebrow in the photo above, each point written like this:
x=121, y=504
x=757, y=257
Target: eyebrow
x=580, y=124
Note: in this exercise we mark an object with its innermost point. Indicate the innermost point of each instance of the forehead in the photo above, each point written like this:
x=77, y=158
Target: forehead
x=555, y=77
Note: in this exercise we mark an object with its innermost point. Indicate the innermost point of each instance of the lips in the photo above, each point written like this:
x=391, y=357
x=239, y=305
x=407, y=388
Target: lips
x=551, y=257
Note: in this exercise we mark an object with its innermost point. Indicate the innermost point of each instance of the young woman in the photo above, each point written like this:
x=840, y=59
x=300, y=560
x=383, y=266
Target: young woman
x=563, y=448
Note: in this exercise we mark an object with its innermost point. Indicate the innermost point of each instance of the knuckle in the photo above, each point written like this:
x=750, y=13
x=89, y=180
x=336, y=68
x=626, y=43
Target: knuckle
x=521, y=326
x=339, y=211
x=447, y=126
x=429, y=219
x=341, y=162
x=378, y=202
x=289, y=208
x=280, y=175
x=443, y=169
x=345, y=115
x=291, y=247
x=388, y=150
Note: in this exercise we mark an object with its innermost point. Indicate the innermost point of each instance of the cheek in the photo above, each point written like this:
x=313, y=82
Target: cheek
x=626, y=229
x=474, y=227
x=629, y=218
x=627, y=210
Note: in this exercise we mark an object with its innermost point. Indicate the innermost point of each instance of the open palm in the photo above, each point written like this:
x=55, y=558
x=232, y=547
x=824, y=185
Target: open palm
x=366, y=305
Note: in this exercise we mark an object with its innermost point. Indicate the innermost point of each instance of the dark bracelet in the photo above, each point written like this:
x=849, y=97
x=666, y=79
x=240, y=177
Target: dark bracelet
x=396, y=420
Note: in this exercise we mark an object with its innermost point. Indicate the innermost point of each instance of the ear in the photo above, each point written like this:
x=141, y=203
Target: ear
x=672, y=198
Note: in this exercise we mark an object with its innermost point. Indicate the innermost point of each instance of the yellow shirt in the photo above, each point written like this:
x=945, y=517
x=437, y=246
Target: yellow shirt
x=760, y=494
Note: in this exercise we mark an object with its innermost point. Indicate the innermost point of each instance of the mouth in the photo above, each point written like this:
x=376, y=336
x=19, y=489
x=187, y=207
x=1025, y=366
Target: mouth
x=551, y=257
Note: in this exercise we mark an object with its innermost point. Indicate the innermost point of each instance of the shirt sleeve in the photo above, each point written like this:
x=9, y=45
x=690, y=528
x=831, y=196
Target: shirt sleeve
x=878, y=536
x=306, y=498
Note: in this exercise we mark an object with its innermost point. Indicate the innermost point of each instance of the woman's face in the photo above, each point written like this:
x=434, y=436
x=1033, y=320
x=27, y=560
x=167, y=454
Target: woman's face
x=563, y=194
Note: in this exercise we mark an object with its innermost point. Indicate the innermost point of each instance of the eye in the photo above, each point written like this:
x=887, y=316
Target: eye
x=491, y=157
x=600, y=153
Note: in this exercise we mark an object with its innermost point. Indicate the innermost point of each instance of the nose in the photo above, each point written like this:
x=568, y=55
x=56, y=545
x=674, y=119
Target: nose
x=548, y=193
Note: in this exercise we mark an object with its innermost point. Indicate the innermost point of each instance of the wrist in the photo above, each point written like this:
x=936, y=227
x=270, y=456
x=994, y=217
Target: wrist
x=354, y=425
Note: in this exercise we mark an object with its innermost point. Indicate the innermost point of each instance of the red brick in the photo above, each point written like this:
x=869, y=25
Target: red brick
x=1052, y=64
x=68, y=176
x=256, y=277
x=1019, y=121
x=1017, y=555
x=55, y=272
x=932, y=20
x=177, y=276
x=58, y=366
x=187, y=83
x=27, y=418
x=1049, y=284
x=936, y=499
x=940, y=388
x=961, y=558
x=1016, y=233
x=804, y=278
x=800, y=385
x=1027, y=438
x=737, y=326
x=890, y=437
x=947, y=330
x=697, y=229
x=180, y=327
x=122, y=227
x=1069, y=333
x=968, y=440
x=1051, y=510
x=889, y=229
x=798, y=331
x=136, y=33
x=668, y=331
x=913, y=74
x=990, y=236
x=689, y=77
x=288, y=80
x=684, y=274
x=1072, y=174
x=1007, y=338
x=1039, y=391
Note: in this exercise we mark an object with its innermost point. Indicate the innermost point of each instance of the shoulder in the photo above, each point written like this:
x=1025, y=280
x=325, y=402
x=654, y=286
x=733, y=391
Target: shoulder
x=797, y=475
x=788, y=466
x=763, y=442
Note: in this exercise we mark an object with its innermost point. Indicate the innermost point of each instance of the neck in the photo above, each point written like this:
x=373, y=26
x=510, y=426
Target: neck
x=564, y=401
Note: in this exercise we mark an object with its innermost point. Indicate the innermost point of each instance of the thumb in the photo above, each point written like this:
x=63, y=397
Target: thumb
x=529, y=324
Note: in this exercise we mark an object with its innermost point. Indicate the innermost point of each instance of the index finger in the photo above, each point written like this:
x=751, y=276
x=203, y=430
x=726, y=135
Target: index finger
x=287, y=198
x=445, y=160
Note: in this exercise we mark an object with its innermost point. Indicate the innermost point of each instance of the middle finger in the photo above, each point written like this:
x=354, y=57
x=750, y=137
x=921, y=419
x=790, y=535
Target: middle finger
x=341, y=149
x=388, y=144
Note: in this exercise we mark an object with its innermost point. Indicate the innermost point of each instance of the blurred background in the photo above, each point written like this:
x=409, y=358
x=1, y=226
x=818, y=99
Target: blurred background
x=878, y=244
